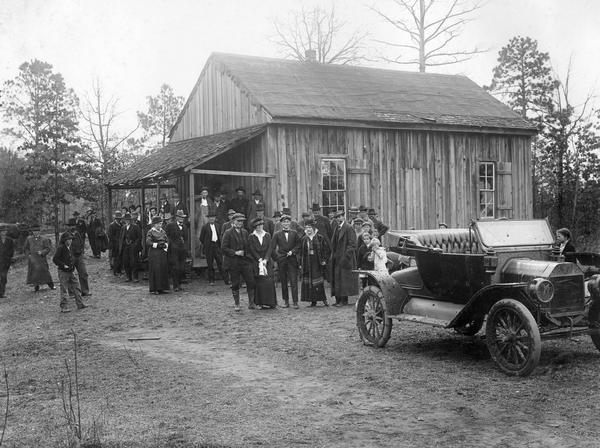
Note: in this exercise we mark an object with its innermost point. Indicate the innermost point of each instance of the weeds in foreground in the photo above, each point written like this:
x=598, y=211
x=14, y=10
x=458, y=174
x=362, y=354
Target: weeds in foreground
x=6, y=407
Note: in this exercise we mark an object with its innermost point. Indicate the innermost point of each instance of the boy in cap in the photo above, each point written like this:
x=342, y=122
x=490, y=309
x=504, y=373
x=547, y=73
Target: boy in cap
x=236, y=260
x=63, y=259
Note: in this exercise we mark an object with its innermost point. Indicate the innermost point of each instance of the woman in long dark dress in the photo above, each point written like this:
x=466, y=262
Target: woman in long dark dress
x=259, y=248
x=158, y=266
x=37, y=248
x=314, y=256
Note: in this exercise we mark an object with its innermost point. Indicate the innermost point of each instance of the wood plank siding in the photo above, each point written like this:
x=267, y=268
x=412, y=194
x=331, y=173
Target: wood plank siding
x=414, y=178
x=218, y=103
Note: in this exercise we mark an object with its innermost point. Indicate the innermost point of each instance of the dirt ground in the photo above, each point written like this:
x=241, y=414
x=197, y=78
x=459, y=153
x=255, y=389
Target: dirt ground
x=273, y=378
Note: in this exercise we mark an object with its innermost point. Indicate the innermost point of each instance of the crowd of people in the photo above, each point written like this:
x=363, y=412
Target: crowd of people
x=237, y=240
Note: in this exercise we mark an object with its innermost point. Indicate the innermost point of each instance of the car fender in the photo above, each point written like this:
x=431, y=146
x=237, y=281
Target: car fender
x=395, y=296
x=481, y=302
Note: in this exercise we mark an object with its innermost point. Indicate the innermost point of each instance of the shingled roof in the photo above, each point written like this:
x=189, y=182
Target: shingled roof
x=174, y=158
x=290, y=89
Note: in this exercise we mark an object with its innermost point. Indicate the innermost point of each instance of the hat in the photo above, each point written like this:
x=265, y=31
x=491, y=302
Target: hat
x=231, y=212
x=285, y=217
x=238, y=216
x=204, y=188
x=119, y=215
x=339, y=212
x=277, y=214
x=153, y=208
x=286, y=211
x=156, y=219
x=257, y=193
x=315, y=207
x=260, y=207
x=366, y=224
x=358, y=221
x=212, y=211
x=66, y=236
x=127, y=216
x=180, y=214
x=362, y=208
x=240, y=188
x=371, y=212
x=305, y=214
x=309, y=222
x=256, y=221
x=72, y=222
x=218, y=193
x=353, y=209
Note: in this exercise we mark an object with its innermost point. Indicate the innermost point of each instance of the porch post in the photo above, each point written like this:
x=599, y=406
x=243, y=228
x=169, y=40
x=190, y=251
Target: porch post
x=192, y=219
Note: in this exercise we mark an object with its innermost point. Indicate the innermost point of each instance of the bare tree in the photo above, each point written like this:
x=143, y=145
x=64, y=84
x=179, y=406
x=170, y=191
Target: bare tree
x=108, y=153
x=319, y=30
x=430, y=26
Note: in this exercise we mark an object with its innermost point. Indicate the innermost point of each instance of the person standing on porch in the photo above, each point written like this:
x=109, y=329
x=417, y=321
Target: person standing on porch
x=257, y=201
x=221, y=207
x=285, y=247
x=37, y=247
x=344, y=282
x=240, y=202
x=203, y=205
x=237, y=261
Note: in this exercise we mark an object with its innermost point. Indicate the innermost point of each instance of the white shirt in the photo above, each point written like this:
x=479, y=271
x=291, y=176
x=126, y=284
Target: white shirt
x=213, y=229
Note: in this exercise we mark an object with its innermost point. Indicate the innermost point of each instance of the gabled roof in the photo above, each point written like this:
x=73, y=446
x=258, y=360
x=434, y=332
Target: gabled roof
x=174, y=158
x=290, y=89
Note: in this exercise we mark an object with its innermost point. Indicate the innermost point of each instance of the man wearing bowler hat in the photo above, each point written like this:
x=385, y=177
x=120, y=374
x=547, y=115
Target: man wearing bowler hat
x=210, y=238
x=176, y=251
x=236, y=260
x=344, y=282
x=114, y=230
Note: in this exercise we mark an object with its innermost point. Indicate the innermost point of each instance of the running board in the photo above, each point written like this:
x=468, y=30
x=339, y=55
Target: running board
x=422, y=320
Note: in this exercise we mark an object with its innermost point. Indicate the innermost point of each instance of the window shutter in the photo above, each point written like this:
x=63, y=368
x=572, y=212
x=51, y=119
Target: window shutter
x=505, y=196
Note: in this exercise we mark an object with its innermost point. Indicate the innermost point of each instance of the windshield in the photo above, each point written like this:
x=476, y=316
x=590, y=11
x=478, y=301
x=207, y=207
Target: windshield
x=514, y=233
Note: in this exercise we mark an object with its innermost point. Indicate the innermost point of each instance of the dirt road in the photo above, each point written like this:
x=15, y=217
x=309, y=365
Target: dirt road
x=277, y=378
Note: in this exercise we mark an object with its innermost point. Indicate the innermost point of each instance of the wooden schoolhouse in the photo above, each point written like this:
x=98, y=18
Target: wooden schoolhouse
x=420, y=148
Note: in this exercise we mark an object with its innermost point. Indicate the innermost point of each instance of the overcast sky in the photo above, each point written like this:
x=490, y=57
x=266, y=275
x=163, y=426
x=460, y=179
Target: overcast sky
x=133, y=46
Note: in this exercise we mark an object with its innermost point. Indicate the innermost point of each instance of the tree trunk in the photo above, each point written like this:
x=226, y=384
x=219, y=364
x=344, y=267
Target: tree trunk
x=422, y=65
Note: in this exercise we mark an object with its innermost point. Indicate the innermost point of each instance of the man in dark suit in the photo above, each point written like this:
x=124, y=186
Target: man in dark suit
x=77, y=248
x=94, y=229
x=7, y=250
x=257, y=201
x=344, y=282
x=229, y=224
x=177, y=234
x=210, y=238
x=130, y=245
x=81, y=225
x=284, y=247
x=240, y=202
x=221, y=208
x=237, y=261
x=565, y=246
x=114, y=231
x=178, y=205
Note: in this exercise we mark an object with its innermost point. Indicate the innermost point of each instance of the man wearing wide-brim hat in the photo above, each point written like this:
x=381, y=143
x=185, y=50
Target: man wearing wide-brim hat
x=130, y=246
x=257, y=200
x=240, y=202
x=77, y=248
x=176, y=252
x=114, y=231
x=237, y=261
x=210, y=238
x=344, y=282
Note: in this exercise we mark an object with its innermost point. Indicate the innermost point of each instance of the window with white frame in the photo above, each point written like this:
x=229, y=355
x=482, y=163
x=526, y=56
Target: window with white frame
x=487, y=189
x=333, y=179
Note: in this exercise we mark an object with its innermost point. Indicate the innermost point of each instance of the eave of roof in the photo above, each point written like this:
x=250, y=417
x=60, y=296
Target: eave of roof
x=173, y=159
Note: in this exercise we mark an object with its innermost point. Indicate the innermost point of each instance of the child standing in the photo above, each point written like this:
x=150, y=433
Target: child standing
x=379, y=255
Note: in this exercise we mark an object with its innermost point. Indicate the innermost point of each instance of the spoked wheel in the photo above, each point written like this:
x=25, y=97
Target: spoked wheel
x=373, y=325
x=513, y=337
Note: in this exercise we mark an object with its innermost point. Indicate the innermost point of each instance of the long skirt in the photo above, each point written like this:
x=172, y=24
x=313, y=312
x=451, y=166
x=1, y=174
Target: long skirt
x=158, y=270
x=38, y=272
x=264, y=292
x=312, y=288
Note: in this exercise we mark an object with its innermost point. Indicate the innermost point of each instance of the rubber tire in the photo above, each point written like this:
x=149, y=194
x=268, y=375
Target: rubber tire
x=594, y=316
x=372, y=299
x=520, y=316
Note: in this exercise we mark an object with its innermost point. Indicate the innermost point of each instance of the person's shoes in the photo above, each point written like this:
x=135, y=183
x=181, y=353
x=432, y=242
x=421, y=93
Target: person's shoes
x=65, y=310
x=325, y=303
x=313, y=303
x=36, y=288
x=82, y=307
x=87, y=294
x=295, y=305
x=251, y=306
x=237, y=308
x=286, y=304
x=154, y=292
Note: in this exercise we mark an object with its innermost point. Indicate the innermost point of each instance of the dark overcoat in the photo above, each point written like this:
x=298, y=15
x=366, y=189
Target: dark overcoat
x=232, y=242
x=344, y=282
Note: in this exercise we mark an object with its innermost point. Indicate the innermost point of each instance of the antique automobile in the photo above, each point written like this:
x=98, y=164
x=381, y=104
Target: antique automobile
x=502, y=273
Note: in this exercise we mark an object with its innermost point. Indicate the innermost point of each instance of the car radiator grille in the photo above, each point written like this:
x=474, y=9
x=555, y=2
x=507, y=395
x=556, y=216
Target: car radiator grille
x=568, y=294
